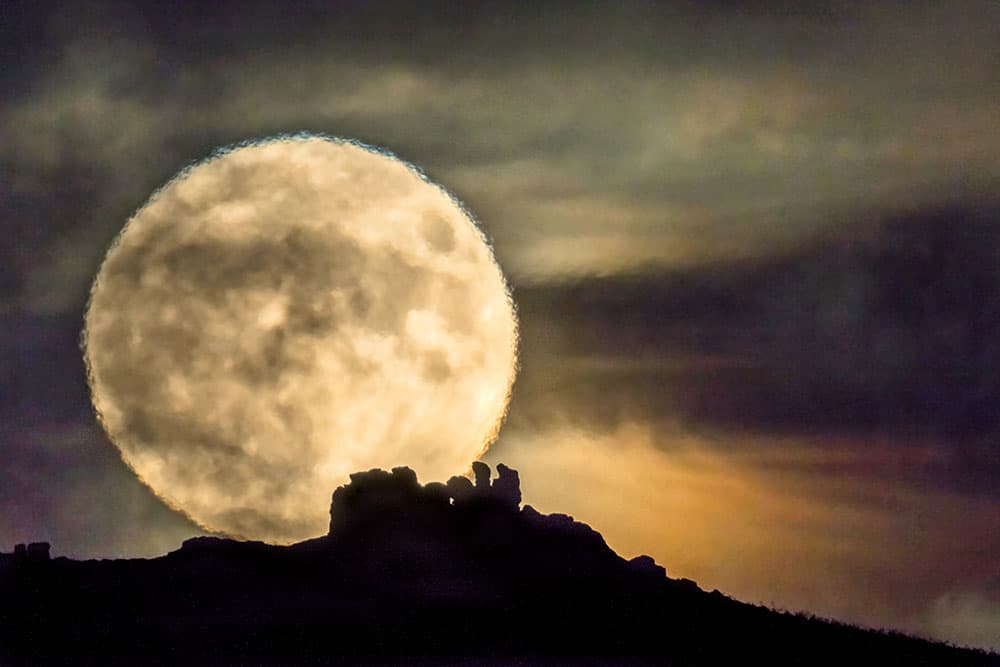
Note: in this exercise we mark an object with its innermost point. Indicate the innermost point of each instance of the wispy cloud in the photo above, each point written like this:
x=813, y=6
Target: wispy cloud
x=582, y=161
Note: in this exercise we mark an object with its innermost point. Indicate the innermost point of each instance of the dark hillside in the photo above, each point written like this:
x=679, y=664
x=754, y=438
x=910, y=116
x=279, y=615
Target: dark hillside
x=437, y=574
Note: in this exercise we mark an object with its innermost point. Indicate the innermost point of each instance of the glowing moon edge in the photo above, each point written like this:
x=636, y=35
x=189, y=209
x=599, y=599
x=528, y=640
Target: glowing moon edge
x=304, y=135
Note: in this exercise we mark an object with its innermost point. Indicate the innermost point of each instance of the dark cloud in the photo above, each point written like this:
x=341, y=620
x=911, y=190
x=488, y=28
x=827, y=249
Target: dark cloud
x=895, y=331
x=589, y=139
x=38, y=205
x=882, y=326
x=33, y=351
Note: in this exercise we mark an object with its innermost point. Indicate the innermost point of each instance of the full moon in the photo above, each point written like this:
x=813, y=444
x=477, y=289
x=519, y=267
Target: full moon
x=288, y=312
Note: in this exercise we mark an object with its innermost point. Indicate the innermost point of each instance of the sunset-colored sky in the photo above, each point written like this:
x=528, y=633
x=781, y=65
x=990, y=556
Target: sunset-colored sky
x=755, y=250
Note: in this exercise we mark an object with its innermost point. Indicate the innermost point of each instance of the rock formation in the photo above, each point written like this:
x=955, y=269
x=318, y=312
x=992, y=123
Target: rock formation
x=482, y=473
x=411, y=574
x=507, y=486
x=399, y=494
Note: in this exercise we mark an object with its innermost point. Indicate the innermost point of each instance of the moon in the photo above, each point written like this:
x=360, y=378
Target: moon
x=287, y=312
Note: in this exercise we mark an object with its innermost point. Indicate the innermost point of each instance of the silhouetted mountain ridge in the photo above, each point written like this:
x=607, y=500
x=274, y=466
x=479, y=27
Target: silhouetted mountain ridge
x=454, y=573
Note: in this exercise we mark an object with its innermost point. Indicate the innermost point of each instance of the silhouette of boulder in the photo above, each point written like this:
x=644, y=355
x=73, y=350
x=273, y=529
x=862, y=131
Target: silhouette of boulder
x=646, y=565
x=507, y=485
x=482, y=473
x=532, y=515
x=376, y=492
x=404, y=477
x=202, y=543
x=690, y=585
x=38, y=551
x=460, y=488
x=437, y=490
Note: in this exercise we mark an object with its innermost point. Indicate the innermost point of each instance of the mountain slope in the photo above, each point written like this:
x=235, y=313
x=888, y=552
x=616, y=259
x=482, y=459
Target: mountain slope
x=411, y=574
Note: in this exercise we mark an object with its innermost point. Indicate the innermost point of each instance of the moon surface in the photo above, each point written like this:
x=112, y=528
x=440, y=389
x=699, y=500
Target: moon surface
x=288, y=312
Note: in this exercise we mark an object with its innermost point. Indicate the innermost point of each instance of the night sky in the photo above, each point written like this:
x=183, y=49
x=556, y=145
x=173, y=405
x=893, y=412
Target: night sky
x=755, y=250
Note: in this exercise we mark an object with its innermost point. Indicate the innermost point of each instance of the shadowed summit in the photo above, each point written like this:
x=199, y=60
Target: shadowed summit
x=440, y=573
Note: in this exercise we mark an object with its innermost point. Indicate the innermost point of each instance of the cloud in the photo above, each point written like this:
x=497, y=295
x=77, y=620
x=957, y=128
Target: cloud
x=971, y=618
x=643, y=143
x=803, y=524
x=885, y=324
x=66, y=485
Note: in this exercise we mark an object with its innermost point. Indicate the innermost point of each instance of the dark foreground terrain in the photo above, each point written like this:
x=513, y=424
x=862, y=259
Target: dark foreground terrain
x=450, y=574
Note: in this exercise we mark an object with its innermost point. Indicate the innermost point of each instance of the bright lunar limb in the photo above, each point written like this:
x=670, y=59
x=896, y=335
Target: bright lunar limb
x=286, y=313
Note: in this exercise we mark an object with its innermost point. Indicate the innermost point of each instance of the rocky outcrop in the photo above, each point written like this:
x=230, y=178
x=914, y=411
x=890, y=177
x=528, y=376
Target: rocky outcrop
x=460, y=488
x=507, y=486
x=378, y=493
x=398, y=493
x=29, y=556
x=482, y=474
x=35, y=552
x=38, y=551
x=646, y=565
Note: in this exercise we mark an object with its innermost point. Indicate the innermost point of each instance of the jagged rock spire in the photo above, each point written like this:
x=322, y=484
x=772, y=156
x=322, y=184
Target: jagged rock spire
x=507, y=485
x=482, y=473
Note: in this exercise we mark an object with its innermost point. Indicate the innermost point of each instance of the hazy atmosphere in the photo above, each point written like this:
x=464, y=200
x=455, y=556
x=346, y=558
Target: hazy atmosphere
x=754, y=250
